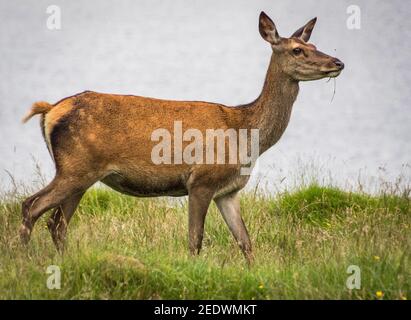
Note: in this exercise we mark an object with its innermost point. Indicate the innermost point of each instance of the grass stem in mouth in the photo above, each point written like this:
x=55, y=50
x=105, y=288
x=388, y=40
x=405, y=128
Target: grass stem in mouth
x=335, y=87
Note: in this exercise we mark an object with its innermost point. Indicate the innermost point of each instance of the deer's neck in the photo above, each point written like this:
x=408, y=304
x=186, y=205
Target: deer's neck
x=271, y=112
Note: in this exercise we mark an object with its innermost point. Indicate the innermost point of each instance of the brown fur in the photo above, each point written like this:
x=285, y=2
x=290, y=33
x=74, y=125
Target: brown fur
x=40, y=107
x=107, y=137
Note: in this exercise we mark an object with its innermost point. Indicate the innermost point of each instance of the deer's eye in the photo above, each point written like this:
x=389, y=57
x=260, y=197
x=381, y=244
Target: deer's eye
x=297, y=51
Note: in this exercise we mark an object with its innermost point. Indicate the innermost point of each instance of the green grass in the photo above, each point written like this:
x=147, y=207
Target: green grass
x=121, y=247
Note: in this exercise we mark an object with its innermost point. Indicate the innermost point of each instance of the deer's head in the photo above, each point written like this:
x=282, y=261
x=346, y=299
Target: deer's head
x=296, y=57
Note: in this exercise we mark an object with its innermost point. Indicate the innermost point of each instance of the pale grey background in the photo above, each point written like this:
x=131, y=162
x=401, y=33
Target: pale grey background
x=211, y=50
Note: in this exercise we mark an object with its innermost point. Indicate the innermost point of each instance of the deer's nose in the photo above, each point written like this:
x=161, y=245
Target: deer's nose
x=339, y=64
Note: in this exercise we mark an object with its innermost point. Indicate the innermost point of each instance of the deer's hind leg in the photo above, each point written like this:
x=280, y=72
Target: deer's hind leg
x=60, y=219
x=58, y=191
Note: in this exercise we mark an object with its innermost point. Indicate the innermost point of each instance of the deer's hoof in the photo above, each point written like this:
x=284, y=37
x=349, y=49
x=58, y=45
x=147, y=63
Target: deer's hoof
x=24, y=234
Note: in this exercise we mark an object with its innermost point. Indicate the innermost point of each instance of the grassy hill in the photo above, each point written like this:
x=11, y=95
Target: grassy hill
x=128, y=248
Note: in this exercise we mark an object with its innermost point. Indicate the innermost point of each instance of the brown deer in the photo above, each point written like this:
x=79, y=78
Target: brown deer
x=105, y=137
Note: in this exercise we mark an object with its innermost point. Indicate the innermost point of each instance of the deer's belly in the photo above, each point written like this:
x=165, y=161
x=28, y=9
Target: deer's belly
x=145, y=183
x=140, y=187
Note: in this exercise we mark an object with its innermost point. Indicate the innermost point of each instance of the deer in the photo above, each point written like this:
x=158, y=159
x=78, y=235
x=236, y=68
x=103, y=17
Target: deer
x=105, y=137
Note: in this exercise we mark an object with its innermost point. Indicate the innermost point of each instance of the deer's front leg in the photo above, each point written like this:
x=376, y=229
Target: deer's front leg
x=198, y=201
x=229, y=206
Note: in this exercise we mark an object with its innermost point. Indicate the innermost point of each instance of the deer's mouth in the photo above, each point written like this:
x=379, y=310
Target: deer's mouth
x=335, y=69
x=333, y=73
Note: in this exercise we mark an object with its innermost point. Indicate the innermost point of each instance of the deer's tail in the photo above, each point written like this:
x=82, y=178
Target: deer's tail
x=40, y=107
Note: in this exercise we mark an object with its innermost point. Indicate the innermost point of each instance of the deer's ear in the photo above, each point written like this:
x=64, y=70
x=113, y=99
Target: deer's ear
x=304, y=33
x=267, y=29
